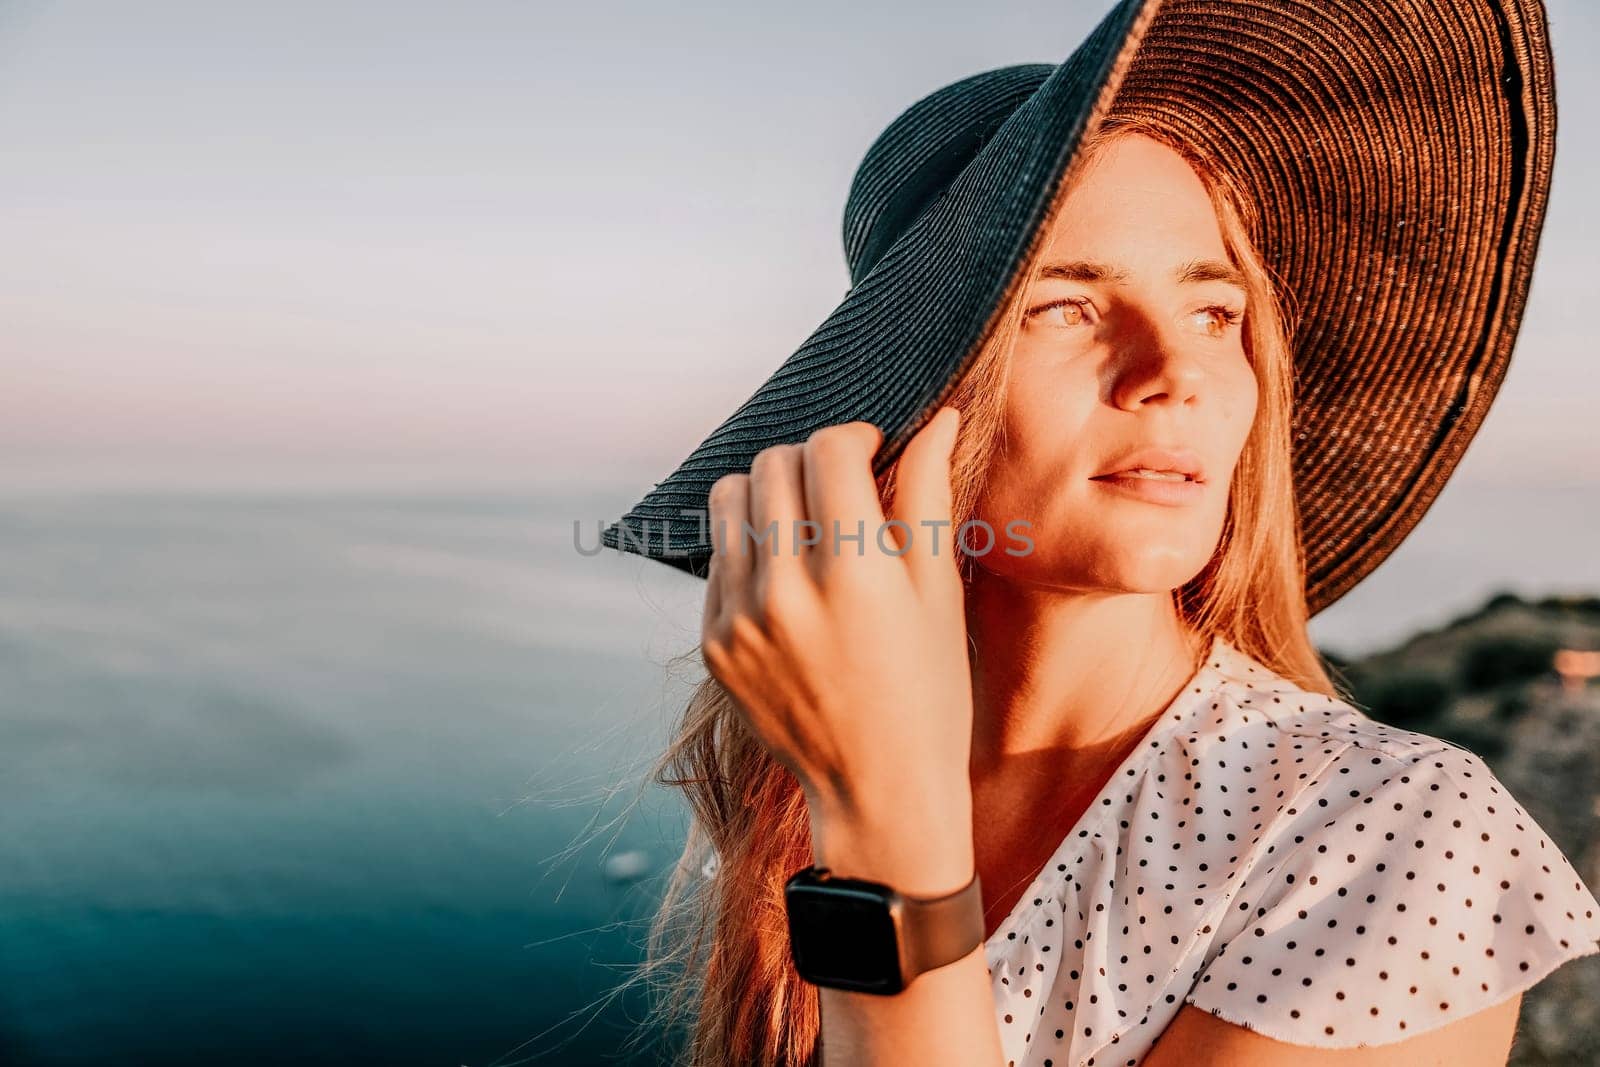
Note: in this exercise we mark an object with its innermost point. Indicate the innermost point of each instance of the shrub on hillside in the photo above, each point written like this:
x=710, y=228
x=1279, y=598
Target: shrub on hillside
x=1406, y=697
x=1492, y=661
x=1500, y=600
x=1511, y=704
x=1588, y=605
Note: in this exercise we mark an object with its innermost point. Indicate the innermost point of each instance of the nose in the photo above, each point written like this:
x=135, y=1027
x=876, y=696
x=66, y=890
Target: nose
x=1156, y=367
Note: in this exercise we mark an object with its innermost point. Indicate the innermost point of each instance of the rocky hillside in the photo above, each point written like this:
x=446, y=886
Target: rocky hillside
x=1487, y=681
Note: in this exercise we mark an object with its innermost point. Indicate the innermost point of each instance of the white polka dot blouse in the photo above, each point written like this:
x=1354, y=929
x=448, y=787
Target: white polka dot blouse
x=1279, y=859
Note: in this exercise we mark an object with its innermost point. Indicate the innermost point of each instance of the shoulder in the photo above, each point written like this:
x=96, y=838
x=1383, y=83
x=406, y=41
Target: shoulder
x=1251, y=701
x=1305, y=758
x=1391, y=883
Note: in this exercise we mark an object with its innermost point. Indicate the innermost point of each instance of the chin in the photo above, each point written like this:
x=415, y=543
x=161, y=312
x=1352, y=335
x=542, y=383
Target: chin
x=1160, y=574
x=1137, y=549
x=1120, y=568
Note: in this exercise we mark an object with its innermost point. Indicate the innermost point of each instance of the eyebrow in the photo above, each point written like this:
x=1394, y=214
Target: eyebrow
x=1196, y=270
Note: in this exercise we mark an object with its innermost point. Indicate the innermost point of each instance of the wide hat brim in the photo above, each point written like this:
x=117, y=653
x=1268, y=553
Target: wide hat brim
x=1400, y=155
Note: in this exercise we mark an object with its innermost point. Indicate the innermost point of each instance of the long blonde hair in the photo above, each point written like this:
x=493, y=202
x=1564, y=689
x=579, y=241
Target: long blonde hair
x=719, y=944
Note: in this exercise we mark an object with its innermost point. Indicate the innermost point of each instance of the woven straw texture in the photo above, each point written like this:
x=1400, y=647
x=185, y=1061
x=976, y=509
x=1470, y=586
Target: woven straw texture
x=1399, y=154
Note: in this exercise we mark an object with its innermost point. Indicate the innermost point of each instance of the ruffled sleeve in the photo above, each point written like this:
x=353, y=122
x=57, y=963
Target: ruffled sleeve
x=1400, y=894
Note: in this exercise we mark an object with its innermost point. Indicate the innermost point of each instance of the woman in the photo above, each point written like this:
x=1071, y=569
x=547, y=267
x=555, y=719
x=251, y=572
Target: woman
x=1115, y=732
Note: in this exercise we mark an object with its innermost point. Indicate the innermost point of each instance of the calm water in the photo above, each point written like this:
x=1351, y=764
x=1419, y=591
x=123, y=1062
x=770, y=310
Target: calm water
x=302, y=780
x=305, y=779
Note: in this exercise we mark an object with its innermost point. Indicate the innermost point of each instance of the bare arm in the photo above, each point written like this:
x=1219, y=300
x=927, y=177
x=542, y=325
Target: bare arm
x=850, y=665
x=1198, y=1039
x=944, y=1016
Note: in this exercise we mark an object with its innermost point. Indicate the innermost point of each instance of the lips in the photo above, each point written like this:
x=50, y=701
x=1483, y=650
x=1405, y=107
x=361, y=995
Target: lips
x=1173, y=491
x=1155, y=463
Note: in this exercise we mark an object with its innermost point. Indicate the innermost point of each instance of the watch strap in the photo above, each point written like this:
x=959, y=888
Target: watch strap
x=936, y=931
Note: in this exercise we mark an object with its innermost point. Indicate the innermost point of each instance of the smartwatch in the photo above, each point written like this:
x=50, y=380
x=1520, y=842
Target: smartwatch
x=867, y=937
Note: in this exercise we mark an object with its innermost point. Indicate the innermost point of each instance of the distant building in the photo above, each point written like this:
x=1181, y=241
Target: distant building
x=1576, y=667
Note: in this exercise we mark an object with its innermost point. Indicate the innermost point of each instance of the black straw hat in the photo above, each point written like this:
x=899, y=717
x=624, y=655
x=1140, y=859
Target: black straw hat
x=1400, y=152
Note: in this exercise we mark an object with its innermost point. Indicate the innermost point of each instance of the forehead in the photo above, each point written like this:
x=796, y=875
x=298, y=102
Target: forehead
x=1139, y=203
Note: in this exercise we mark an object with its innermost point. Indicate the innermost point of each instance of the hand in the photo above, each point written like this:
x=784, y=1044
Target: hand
x=848, y=661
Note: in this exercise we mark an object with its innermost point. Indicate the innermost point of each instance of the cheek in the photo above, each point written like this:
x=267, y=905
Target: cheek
x=1051, y=399
x=1045, y=436
x=1241, y=404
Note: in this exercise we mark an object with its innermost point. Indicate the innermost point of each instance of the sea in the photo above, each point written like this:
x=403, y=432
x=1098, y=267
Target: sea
x=363, y=777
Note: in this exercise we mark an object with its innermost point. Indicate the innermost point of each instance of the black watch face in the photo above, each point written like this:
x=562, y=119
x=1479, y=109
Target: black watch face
x=843, y=936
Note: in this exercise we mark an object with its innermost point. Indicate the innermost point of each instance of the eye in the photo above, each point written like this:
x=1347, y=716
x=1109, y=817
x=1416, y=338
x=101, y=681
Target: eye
x=1073, y=311
x=1220, y=318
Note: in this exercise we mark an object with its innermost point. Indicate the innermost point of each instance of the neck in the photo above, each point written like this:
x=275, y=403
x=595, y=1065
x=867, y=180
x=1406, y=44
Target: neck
x=1060, y=674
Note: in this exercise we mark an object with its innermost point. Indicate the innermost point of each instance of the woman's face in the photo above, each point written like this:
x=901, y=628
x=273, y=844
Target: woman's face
x=1131, y=339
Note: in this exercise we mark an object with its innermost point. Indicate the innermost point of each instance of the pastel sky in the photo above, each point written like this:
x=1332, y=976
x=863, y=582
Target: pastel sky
x=512, y=244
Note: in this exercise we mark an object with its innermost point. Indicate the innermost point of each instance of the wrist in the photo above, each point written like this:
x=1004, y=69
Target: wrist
x=918, y=849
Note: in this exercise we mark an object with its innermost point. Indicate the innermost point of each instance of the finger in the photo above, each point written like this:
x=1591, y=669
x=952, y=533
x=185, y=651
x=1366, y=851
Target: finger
x=777, y=505
x=731, y=563
x=841, y=489
x=922, y=493
x=713, y=603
